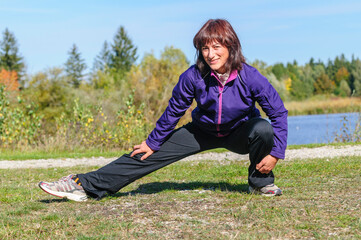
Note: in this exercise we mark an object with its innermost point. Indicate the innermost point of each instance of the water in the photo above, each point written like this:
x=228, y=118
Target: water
x=318, y=128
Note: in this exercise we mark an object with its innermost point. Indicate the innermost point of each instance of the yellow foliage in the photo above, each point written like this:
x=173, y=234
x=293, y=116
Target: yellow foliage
x=288, y=84
x=153, y=79
x=342, y=74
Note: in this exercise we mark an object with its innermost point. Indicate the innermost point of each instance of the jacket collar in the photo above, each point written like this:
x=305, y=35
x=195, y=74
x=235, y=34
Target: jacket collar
x=232, y=76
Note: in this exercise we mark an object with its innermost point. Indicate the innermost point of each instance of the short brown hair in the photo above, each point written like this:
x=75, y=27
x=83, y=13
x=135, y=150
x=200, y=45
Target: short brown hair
x=219, y=30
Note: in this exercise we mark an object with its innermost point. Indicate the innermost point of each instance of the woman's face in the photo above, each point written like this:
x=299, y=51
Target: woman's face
x=216, y=56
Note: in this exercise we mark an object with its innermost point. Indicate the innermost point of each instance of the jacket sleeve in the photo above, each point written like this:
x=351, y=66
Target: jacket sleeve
x=182, y=97
x=271, y=103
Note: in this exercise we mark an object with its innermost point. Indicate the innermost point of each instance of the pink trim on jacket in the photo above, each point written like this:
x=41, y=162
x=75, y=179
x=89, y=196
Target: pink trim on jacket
x=231, y=77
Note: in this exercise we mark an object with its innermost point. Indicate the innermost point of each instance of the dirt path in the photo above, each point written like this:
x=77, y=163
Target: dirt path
x=304, y=153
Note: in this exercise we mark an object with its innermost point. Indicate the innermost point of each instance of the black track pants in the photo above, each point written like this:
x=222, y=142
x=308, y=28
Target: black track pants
x=254, y=137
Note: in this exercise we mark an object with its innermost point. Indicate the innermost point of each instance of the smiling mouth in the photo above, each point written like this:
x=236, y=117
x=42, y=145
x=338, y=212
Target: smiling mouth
x=213, y=61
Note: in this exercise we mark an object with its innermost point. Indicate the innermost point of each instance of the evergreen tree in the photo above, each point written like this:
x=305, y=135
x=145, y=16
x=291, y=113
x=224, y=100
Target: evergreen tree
x=124, y=53
x=10, y=58
x=279, y=70
x=74, y=67
x=103, y=59
x=312, y=62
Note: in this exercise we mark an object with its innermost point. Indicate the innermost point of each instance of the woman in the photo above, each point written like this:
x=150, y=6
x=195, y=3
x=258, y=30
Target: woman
x=225, y=89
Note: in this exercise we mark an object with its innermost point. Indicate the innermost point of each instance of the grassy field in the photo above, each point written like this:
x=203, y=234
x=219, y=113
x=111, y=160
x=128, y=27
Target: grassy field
x=6, y=154
x=192, y=200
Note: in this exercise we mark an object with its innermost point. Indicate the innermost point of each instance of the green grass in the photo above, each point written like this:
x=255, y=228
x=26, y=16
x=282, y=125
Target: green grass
x=6, y=154
x=315, y=145
x=25, y=155
x=192, y=200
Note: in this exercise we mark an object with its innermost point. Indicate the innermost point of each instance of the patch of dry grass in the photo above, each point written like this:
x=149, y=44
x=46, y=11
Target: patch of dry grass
x=324, y=106
x=192, y=200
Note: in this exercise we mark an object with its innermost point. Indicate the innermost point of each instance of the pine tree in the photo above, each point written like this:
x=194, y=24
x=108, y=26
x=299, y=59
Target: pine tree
x=75, y=66
x=10, y=58
x=103, y=59
x=124, y=53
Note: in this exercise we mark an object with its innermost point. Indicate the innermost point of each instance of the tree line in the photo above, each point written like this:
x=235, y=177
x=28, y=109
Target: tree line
x=118, y=101
x=114, y=63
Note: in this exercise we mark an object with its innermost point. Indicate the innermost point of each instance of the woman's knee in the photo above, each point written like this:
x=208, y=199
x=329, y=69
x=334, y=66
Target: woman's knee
x=263, y=129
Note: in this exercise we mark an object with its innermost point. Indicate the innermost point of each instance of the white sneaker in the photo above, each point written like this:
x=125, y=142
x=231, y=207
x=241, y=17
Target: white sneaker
x=268, y=190
x=66, y=187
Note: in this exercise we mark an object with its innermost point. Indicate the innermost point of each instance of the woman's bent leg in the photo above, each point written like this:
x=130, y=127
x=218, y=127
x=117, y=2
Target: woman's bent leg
x=111, y=178
x=256, y=138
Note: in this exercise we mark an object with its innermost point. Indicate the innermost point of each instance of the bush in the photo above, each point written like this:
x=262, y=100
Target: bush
x=19, y=124
x=89, y=127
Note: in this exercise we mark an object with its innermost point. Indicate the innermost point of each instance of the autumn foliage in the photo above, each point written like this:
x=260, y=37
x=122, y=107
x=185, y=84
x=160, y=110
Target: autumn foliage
x=9, y=79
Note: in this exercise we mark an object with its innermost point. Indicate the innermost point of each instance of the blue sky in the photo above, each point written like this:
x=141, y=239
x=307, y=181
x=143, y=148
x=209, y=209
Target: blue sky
x=269, y=30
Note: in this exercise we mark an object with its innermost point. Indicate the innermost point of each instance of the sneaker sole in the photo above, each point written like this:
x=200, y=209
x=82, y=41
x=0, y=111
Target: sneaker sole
x=69, y=196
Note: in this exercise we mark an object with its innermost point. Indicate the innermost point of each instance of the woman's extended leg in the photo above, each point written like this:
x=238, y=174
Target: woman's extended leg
x=183, y=142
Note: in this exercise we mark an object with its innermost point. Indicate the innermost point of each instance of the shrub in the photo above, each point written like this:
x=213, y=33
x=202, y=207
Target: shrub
x=89, y=127
x=19, y=124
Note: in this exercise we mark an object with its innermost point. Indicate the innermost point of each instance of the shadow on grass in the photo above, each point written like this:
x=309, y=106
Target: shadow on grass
x=55, y=200
x=156, y=187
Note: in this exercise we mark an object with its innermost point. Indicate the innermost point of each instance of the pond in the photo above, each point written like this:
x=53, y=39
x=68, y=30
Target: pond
x=319, y=128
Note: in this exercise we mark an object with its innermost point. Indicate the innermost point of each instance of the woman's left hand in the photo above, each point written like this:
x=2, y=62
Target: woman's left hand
x=267, y=164
x=142, y=148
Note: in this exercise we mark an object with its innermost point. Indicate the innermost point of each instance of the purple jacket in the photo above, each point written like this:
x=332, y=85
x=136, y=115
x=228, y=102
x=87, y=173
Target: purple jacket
x=220, y=109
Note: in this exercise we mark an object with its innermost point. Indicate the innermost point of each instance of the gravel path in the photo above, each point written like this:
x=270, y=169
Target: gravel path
x=304, y=153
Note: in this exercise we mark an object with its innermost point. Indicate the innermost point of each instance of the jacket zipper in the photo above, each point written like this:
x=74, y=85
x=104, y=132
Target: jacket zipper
x=220, y=98
x=220, y=87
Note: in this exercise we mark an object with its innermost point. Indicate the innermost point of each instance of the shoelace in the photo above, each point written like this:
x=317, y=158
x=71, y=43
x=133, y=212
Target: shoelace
x=64, y=184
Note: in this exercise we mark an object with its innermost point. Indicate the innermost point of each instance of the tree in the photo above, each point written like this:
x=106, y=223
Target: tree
x=114, y=61
x=155, y=78
x=278, y=85
x=10, y=58
x=50, y=91
x=124, y=53
x=279, y=70
x=344, y=89
x=324, y=84
x=342, y=74
x=74, y=67
x=307, y=80
x=312, y=62
x=298, y=88
x=103, y=59
x=356, y=78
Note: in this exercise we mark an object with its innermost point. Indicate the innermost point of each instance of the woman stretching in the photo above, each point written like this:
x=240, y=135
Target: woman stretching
x=226, y=90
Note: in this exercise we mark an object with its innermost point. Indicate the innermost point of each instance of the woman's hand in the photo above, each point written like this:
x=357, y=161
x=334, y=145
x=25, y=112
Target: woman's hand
x=142, y=148
x=267, y=164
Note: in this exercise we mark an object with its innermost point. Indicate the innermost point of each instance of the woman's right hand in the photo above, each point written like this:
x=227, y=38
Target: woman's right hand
x=142, y=148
